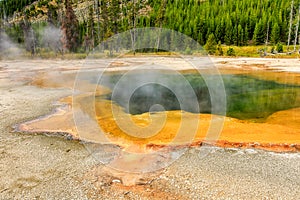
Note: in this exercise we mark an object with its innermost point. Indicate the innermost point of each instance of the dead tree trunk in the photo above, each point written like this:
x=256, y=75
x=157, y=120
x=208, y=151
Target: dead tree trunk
x=291, y=21
x=297, y=28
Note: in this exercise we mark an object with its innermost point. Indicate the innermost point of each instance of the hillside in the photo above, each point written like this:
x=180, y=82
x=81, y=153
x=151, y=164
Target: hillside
x=230, y=22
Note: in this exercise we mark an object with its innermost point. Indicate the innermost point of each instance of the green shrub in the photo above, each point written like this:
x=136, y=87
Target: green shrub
x=219, y=51
x=188, y=51
x=230, y=52
x=273, y=49
x=279, y=48
x=211, y=44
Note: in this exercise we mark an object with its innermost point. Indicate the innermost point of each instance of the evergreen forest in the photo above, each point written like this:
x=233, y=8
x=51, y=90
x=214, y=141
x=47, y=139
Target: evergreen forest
x=82, y=25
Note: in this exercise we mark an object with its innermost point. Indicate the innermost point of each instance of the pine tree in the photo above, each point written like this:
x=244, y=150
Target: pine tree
x=114, y=13
x=219, y=33
x=70, y=29
x=259, y=33
x=235, y=36
x=1, y=35
x=219, y=51
x=52, y=15
x=29, y=36
x=210, y=45
x=228, y=32
x=160, y=21
x=90, y=33
x=240, y=37
x=279, y=47
x=275, y=34
x=246, y=36
x=106, y=31
x=233, y=22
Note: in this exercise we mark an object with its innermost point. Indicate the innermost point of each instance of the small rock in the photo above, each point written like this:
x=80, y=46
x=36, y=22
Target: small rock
x=69, y=137
x=116, y=181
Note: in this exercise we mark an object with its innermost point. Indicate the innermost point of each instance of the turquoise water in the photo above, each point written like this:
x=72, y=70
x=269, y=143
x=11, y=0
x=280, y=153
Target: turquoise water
x=247, y=97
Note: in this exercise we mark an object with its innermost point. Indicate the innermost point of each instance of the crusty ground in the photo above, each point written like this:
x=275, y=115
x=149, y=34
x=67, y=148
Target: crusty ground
x=42, y=167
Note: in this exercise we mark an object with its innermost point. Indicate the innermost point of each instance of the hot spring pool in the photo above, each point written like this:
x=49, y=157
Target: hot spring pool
x=247, y=97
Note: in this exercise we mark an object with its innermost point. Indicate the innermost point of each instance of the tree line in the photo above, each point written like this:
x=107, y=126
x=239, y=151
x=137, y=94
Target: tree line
x=84, y=24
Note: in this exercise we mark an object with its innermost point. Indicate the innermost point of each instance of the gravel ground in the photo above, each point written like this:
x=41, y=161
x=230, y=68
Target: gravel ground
x=36, y=166
x=221, y=174
x=42, y=167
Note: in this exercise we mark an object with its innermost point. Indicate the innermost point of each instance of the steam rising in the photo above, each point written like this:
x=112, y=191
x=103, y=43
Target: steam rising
x=8, y=49
x=51, y=39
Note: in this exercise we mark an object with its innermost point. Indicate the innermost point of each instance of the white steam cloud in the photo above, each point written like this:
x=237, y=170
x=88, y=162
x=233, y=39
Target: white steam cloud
x=8, y=49
x=51, y=39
